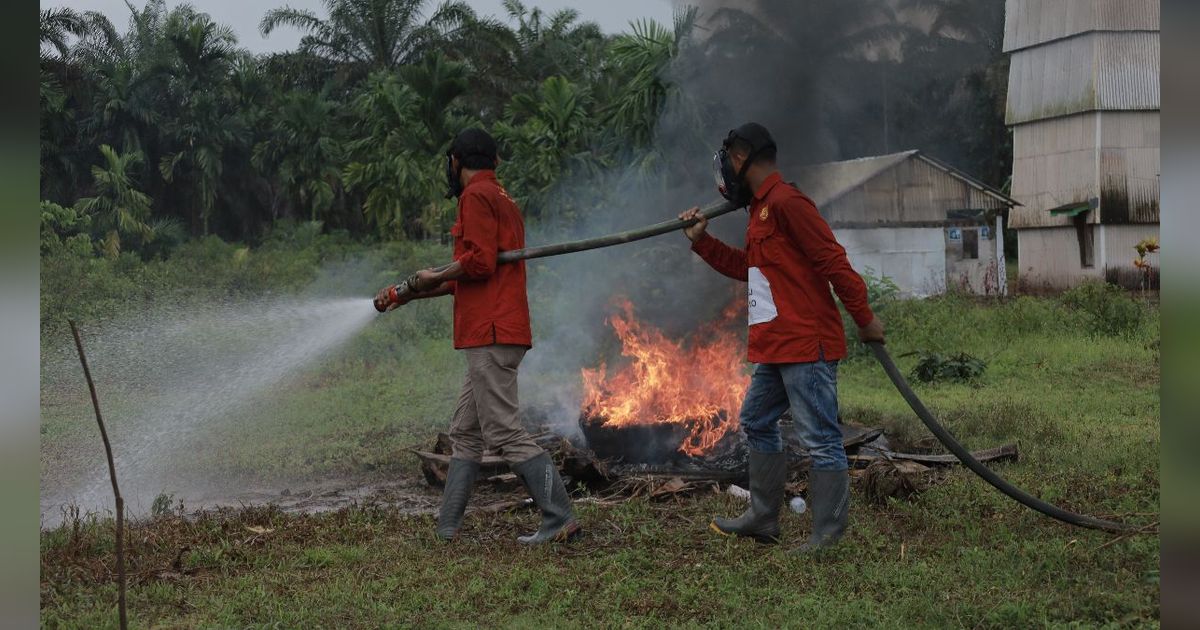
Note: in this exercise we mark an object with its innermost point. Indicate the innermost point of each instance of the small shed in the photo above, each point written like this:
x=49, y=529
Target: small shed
x=914, y=219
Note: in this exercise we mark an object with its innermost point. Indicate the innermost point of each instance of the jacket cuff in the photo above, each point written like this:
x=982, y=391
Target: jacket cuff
x=704, y=244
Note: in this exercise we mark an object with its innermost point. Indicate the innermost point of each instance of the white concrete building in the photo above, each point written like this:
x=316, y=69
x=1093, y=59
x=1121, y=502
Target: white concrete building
x=1083, y=103
x=912, y=218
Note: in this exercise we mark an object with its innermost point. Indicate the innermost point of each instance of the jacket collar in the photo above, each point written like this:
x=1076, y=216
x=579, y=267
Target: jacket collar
x=767, y=185
x=486, y=174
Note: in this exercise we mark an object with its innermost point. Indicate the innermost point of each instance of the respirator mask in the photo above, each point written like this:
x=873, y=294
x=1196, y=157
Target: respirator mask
x=732, y=183
x=729, y=182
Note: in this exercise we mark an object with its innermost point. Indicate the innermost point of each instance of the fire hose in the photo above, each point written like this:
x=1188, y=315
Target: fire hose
x=881, y=355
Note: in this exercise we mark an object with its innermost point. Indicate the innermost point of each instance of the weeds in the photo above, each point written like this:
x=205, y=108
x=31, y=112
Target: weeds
x=1104, y=309
x=936, y=368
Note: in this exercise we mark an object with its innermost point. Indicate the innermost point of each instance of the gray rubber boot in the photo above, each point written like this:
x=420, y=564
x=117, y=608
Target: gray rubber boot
x=544, y=484
x=768, y=474
x=829, y=498
x=460, y=481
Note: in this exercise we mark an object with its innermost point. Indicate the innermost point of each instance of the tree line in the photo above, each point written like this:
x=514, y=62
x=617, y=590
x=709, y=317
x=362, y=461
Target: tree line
x=168, y=130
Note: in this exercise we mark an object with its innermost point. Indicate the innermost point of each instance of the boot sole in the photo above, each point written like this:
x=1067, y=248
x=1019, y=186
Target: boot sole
x=758, y=538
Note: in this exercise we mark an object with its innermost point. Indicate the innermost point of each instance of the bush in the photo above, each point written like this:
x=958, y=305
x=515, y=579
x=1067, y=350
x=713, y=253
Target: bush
x=1105, y=309
x=936, y=368
x=881, y=292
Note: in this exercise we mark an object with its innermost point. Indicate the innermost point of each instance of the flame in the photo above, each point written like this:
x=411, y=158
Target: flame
x=699, y=384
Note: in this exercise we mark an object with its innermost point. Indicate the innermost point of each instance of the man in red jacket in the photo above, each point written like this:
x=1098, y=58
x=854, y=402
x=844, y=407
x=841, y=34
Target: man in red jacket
x=491, y=327
x=790, y=261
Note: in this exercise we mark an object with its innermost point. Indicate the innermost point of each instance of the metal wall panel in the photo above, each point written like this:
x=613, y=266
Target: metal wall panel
x=1096, y=71
x=1054, y=164
x=1127, y=74
x=1110, y=156
x=1028, y=23
x=1048, y=259
x=1118, y=251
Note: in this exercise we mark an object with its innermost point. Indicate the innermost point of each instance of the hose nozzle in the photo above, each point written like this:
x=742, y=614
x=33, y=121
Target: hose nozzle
x=390, y=298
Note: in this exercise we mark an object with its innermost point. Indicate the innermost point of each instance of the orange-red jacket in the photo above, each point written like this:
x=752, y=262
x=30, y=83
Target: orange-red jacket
x=791, y=259
x=490, y=305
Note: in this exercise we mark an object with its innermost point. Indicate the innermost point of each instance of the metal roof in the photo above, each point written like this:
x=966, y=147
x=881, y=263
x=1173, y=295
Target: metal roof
x=826, y=183
x=1029, y=23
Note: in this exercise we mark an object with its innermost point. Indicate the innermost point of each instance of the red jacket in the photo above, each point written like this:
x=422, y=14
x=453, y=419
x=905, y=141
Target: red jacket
x=490, y=305
x=791, y=259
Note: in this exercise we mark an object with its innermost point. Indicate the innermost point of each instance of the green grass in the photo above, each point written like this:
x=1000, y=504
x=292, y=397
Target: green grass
x=1083, y=408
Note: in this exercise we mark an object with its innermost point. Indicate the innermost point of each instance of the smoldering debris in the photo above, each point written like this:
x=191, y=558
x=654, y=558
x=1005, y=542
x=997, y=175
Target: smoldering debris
x=877, y=470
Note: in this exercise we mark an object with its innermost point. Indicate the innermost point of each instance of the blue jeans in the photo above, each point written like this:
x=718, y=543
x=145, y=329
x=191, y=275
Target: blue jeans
x=810, y=391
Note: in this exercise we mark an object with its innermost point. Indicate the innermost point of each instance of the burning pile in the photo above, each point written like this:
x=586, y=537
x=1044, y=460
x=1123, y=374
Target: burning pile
x=692, y=388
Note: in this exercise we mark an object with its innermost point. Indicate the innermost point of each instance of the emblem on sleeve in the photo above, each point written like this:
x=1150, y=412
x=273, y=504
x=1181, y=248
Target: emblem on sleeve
x=762, y=214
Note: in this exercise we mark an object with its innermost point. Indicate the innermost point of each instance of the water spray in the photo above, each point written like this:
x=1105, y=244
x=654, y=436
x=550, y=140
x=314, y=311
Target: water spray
x=397, y=293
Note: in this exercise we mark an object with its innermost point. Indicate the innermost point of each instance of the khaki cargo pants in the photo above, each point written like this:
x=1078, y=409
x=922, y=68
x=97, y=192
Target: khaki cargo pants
x=486, y=417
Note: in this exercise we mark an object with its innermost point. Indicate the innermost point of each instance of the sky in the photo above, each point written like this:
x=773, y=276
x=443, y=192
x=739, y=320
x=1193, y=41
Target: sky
x=244, y=15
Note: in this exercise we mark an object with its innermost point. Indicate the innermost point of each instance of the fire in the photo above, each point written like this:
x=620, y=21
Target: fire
x=699, y=384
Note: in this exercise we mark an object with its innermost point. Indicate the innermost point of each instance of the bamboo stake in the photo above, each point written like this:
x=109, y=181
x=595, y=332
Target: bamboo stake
x=112, y=473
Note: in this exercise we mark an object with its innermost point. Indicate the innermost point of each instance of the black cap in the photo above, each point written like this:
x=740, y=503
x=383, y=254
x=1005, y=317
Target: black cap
x=474, y=141
x=754, y=134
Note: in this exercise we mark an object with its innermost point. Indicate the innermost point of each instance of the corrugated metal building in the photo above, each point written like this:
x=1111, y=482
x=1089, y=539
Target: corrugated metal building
x=1083, y=103
x=914, y=219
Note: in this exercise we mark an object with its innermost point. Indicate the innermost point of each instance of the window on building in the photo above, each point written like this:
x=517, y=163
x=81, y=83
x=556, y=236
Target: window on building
x=970, y=240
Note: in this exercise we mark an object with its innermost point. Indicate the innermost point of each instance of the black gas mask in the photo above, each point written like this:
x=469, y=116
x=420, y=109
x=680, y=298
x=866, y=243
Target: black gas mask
x=732, y=183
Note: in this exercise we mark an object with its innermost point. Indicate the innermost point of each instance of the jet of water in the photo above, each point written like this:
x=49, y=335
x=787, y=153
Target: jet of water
x=180, y=371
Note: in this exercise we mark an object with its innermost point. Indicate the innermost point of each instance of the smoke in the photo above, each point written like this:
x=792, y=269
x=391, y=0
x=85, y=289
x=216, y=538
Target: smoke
x=826, y=78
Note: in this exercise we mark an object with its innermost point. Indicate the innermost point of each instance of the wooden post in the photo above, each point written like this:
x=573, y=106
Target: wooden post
x=112, y=473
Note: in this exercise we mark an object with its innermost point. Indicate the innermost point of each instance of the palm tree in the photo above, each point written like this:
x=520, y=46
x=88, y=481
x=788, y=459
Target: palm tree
x=372, y=34
x=197, y=72
x=398, y=180
x=303, y=151
x=437, y=82
x=977, y=21
x=641, y=59
x=555, y=45
x=57, y=25
x=548, y=133
x=118, y=208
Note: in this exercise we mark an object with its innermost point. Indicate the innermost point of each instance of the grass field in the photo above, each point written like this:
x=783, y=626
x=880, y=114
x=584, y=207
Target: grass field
x=1083, y=407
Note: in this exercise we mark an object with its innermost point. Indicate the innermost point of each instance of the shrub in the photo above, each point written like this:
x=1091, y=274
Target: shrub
x=881, y=292
x=1104, y=309
x=935, y=368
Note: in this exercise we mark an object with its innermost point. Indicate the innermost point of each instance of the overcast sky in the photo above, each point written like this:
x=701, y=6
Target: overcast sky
x=243, y=15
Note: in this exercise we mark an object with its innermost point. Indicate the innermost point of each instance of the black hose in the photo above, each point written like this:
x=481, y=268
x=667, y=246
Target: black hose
x=943, y=436
x=710, y=211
